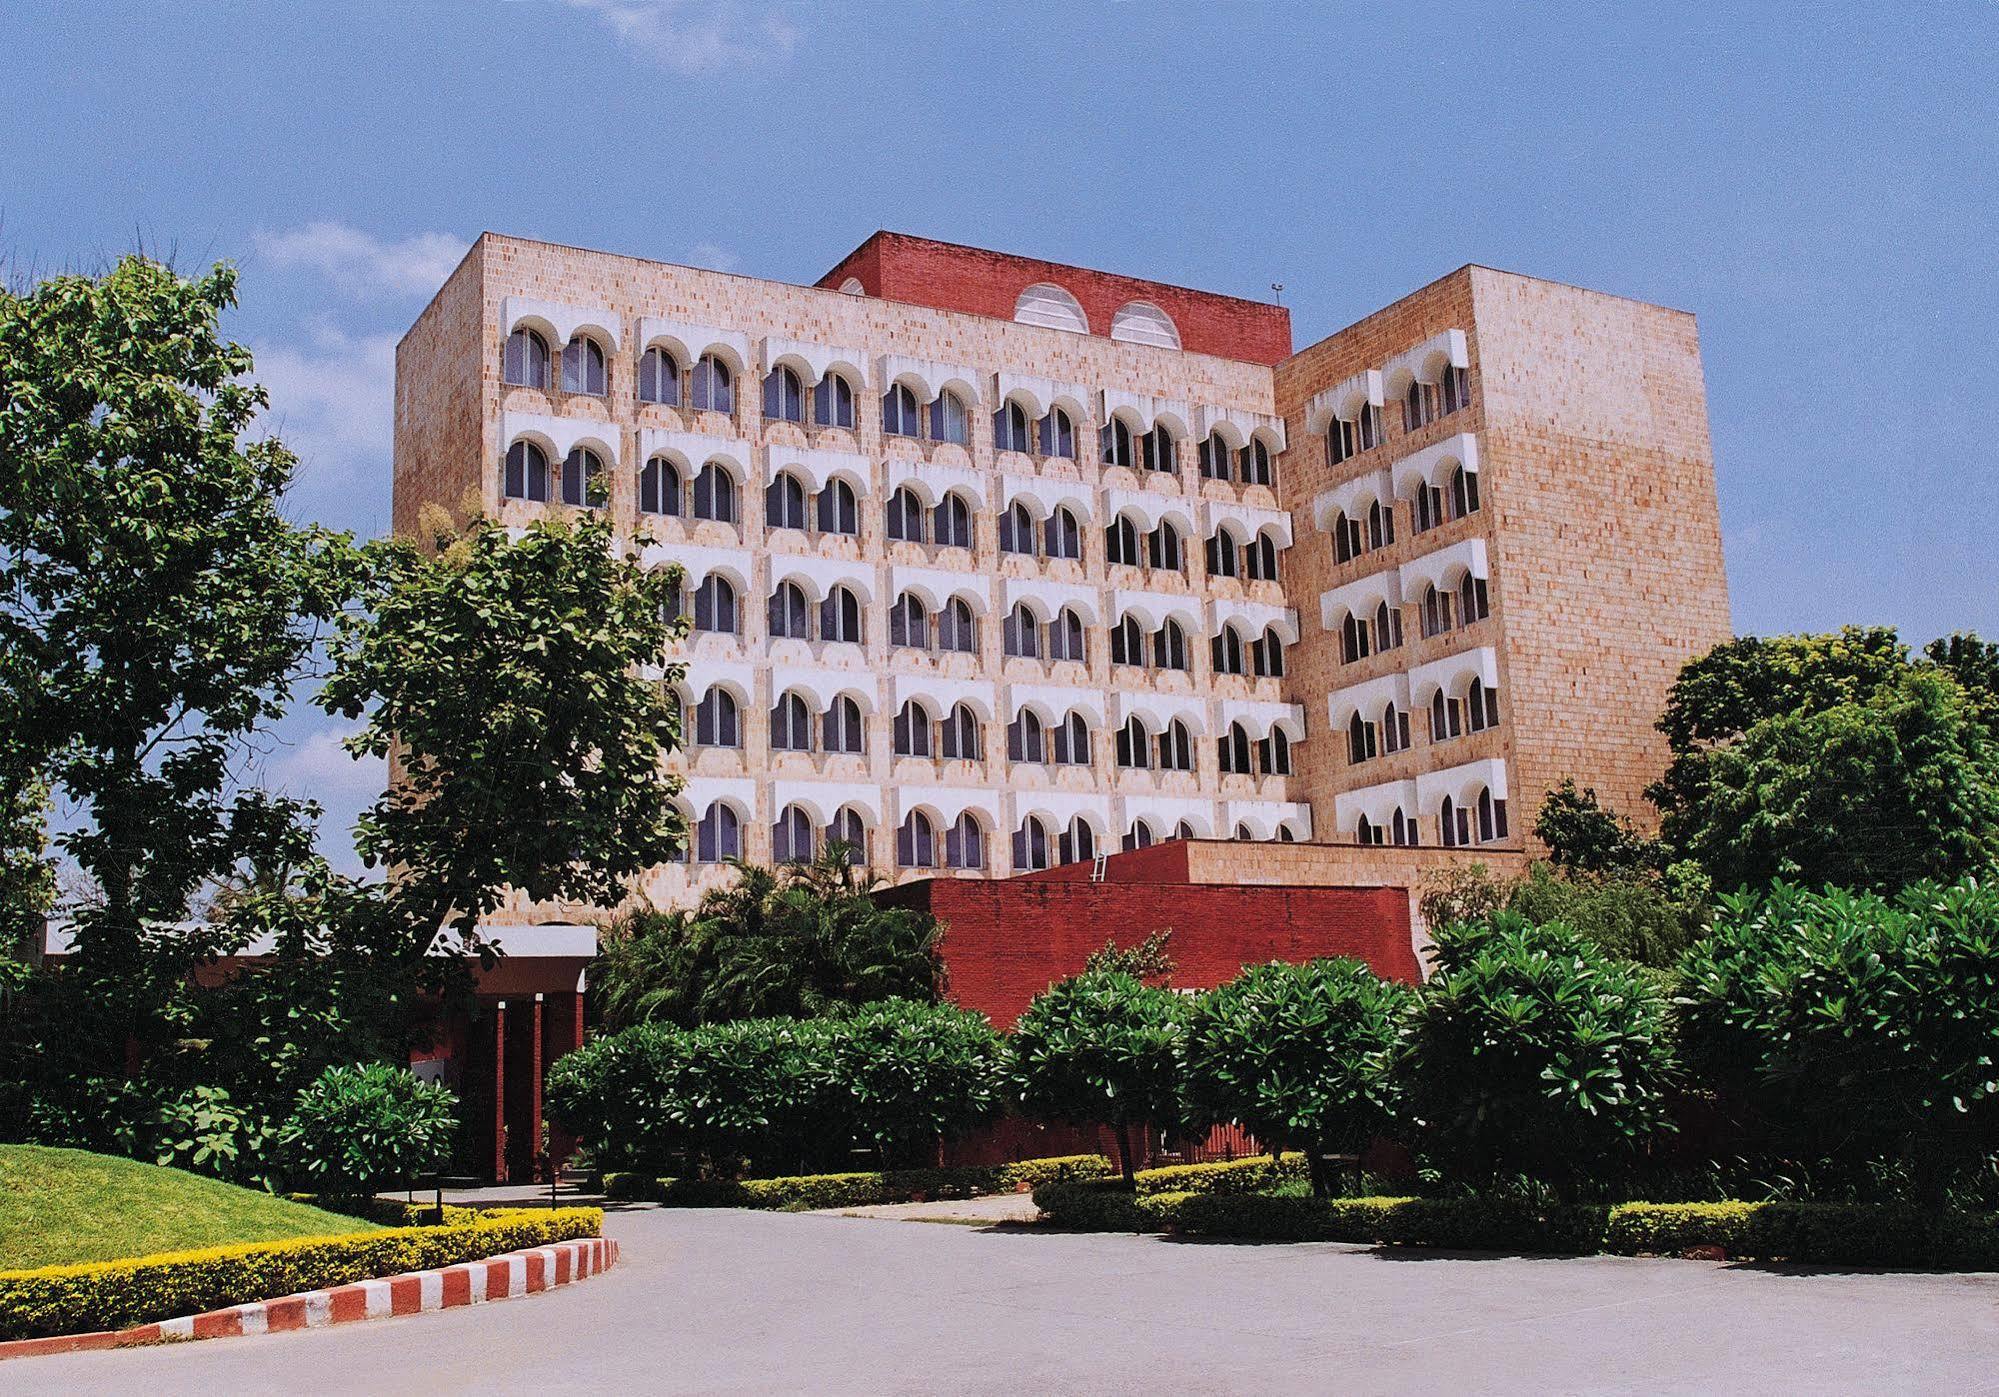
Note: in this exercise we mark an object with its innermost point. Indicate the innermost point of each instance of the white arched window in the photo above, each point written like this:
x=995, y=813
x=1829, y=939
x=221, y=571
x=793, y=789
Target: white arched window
x=583, y=478
x=1121, y=542
x=1063, y=535
x=965, y=843
x=1162, y=548
x=1254, y=463
x=1214, y=457
x=659, y=377
x=1065, y=636
x=909, y=623
x=719, y=835
x=1176, y=749
x=1223, y=555
x=1030, y=845
x=526, y=473
x=790, y=725
x=784, y=395
x=791, y=837
x=1266, y=655
x=953, y=522
x=717, y=723
x=844, y=731
x=1134, y=744
x=1078, y=842
x=1234, y=746
x=833, y=405
x=583, y=367
x=1262, y=557
x=1117, y=442
x=712, y=386
x=900, y=417
x=958, y=737
x=916, y=842
x=784, y=502
x=1157, y=450
x=524, y=362
x=715, y=493
x=1010, y=428
x=1071, y=745
x=1139, y=836
x=912, y=730
x=905, y=516
x=1016, y=529
x=1227, y=648
x=1141, y=322
x=715, y=605
x=788, y=613
x=1049, y=306
x=839, y=511
x=1026, y=740
x=1022, y=633
x=1055, y=435
x=840, y=616
x=850, y=833
x=948, y=419
x=659, y=487
x=1127, y=642
x=957, y=628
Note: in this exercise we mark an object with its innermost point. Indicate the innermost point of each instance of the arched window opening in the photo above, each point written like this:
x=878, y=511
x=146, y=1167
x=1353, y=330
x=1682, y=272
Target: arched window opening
x=1162, y=548
x=1139, y=836
x=715, y=494
x=1117, y=442
x=1464, y=492
x=712, y=386
x=1472, y=602
x=1267, y=655
x=1010, y=428
x=833, y=404
x=1127, y=642
x=1158, y=450
x=1176, y=747
x=1360, y=740
x=1366, y=831
x=524, y=362
x=1446, y=718
x=1071, y=745
x=954, y=522
x=1254, y=462
x=784, y=502
x=1169, y=646
x=583, y=367
x=909, y=623
x=791, y=725
x=948, y=419
x=957, y=629
x=960, y=735
x=1235, y=755
x=1228, y=650
x=1065, y=636
x=788, y=613
x=659, y=487
x=900, y=417
x=1356, y=639
x=1134, y=744
x=1030, y=846
x=840, y=616
x=839, y=511
x=1454, y=385
x=1273, y=753
x=717, y=721
x=1262, y=559
x=1436, y=611
x=965, y=843
x=849, y=834
x=1380, y=525
x=715, y=605
x=719, y=836
x=1021, y=634
x=1402, y=830
x=1121, y=542
x=1078, y=842
x=526, y=473
x=912, y=730
x=1056, y=435
x=845, y=732
x=583, y=482
x=916, y=842
x=1481, y=707
x=784, y=396
x=1026, y=739
x=1387, y=626
x=1016, y=529
x=659, y=377
x=1064, y=535
x=1394, y=729
x=1427, y=508
x=1214, y=457
x=1223, y=559
x=905, y=516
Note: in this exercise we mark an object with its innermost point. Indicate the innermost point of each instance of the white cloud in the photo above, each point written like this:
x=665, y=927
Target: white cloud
x=362, y=264
x=713, y=257
x=318, y=768
x=695, y=36
x=333, y=404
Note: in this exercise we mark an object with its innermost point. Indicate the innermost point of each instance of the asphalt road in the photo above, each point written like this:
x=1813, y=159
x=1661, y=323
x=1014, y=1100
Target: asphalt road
x=758, y=1302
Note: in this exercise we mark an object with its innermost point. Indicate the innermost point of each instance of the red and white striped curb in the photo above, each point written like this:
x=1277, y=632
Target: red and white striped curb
x=496, y=1278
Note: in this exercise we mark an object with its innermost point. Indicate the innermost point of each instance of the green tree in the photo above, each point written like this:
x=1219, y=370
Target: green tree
x=916, y=1073
x=1583, y=837
x=1848, y=1028
x=800, y=940
x=1628, y=915
x=1150, y=960
x=358, y=1129
x=507, y=675
x=156, y=609
x=1532, y=1053
x=1297, y=1055
x=1100, y=1047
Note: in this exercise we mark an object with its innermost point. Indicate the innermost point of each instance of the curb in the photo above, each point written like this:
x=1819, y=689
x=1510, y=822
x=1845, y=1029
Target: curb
x=417, y=1292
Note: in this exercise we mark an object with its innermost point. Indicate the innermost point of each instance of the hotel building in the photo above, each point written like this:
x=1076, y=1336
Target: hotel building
x=995, y=564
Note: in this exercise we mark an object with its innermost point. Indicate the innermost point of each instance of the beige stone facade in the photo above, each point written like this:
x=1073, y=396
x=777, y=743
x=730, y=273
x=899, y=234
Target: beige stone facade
x=1595, y=541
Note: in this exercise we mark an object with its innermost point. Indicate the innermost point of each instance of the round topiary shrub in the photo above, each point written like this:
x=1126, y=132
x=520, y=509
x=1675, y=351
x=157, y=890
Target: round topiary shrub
x=359, y=1129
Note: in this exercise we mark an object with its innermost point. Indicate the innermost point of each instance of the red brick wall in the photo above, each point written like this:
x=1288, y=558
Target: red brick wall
x=920, y=271
x=1005, y=942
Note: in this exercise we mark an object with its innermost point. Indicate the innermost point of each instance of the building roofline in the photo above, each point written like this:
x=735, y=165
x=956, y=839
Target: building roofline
x=889, y=233
x=818, y=290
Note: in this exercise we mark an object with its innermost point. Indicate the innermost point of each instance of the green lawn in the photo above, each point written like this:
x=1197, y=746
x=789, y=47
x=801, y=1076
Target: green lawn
x=60, y=1206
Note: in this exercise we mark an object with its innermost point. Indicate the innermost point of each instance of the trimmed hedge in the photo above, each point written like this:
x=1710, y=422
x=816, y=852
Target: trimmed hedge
x=138, y=1290
x=856, y=1190
x=390, y=1212
x=1251, y=1174
x=1826, y=1233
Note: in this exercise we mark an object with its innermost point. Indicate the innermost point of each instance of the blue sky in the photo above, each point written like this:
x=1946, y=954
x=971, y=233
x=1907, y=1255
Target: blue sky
x=1819, y=185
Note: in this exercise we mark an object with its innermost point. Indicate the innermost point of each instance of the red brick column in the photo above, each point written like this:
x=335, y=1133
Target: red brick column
x=500, y=1092
x=534, y=1087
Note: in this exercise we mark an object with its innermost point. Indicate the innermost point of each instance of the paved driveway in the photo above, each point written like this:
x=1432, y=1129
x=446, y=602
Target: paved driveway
x=760, y=1302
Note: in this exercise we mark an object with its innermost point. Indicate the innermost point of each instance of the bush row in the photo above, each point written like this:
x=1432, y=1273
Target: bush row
x=138, y=1290
x=1254, y=1174
x=856, y=1190
x=1827, y=1233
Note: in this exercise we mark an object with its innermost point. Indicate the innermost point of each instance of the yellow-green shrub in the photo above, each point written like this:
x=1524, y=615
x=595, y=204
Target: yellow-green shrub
x=118, y=1294
x=859, y=1189
x=1252, y=1174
